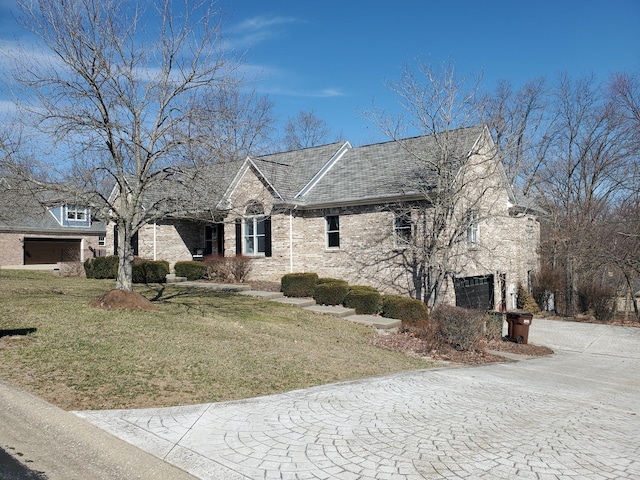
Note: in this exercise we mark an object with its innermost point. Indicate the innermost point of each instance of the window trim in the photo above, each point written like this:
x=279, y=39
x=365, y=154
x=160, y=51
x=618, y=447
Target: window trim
x=402, y=223
x=329, y=233
x=76, y=213
x=473, y=228
x=255, y=220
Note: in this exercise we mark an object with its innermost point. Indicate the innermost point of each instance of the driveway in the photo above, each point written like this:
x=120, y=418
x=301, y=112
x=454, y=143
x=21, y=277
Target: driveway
x=573, y=415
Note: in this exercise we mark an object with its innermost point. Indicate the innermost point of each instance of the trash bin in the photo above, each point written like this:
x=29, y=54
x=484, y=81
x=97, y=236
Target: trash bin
x=518, y=326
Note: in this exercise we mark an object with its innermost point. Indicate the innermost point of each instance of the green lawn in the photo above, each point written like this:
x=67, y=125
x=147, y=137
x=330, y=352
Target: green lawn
x=197, y=347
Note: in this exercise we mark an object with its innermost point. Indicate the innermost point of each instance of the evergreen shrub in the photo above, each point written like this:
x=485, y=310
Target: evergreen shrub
x=365, y=300
x=298, y=284
x=406, y=309
x=191, y=270
x=102, y=267
x=332, y=293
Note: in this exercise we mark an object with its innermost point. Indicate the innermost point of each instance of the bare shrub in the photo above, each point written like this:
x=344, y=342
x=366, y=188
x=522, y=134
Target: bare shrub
x=72, y=269
x=459, y=327
x=597, y=299
x=227, y=269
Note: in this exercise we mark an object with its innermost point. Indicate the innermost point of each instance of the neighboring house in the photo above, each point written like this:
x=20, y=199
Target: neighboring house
x=32, y=233
x=352, y=213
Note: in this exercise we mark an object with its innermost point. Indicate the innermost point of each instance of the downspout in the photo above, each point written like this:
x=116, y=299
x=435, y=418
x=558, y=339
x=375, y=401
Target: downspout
x=155, y=236
x=291, y=240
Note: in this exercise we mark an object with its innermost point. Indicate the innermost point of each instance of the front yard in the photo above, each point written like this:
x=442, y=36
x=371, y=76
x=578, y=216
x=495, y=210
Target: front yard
x=196, y=347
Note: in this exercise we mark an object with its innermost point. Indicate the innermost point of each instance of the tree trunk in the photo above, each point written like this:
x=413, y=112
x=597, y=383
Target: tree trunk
x=124, y=279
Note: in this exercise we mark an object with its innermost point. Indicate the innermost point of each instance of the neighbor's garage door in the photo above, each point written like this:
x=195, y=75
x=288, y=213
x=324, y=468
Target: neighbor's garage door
x=38, y=251
x=474, y=292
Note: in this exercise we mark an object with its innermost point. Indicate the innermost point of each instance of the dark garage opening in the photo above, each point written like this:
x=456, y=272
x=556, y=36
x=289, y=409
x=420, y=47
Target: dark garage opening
x=44, y=251
x=474, y=292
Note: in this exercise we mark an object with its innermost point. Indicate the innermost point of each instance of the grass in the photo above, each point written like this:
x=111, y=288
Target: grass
x=197, y=347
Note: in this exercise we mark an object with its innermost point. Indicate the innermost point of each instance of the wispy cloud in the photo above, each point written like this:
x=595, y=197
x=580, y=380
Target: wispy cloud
x=322, y=93
x=262, y=28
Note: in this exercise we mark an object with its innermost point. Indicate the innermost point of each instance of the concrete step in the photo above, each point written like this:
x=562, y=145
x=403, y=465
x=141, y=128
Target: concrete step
x=296, y=302
x=171, y=278
x=334, y=310
x=375, y=321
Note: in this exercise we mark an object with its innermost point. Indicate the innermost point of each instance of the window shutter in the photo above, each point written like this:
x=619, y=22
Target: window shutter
x=238, y=236
x=267, y=237
x=221, y=239
x=115, y=239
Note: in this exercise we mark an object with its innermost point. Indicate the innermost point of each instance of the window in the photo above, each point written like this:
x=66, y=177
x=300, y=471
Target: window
x=472, y=228
x=333, y=231
x=254, y=233
x=75, y=213
x=402, y=230
x=254, y=236
x=102, y=241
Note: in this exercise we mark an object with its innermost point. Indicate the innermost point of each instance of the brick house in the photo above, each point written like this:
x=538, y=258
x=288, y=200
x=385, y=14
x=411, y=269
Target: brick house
x=36, y=232
x=352, y=213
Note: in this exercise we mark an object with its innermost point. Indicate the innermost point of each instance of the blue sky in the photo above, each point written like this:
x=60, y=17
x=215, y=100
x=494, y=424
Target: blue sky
x=333, y=56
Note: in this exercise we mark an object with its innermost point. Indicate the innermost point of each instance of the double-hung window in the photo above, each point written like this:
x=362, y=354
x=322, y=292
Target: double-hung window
x=402, y=230
x=254, y=235
x=473, y=229
x=333, y=231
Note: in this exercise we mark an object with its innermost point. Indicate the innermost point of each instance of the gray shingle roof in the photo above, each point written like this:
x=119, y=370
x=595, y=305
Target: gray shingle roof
x=290, y=172
x=388, y=170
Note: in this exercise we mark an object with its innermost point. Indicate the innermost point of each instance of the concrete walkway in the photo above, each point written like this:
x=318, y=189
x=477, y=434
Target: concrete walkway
x=573, y=415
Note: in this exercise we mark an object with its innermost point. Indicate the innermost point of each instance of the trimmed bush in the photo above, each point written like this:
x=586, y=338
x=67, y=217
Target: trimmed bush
x=493, y=325
x=365, y=300
x=331, y=280
x=409, y=310
x=150, y=271
x=190, y=269
x=459, y=327
x=332, y=293
x=298, y=284
x=102, y=267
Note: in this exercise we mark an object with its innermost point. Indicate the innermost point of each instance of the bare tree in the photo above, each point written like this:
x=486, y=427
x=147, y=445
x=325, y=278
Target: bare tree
x=520, y=125
x=305, y=130
x=586, y=174
x=453, y=168
x=117, y=90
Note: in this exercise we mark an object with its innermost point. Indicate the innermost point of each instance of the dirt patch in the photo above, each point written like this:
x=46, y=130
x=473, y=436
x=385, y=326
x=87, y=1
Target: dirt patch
x=122, y=300
x=410, y=344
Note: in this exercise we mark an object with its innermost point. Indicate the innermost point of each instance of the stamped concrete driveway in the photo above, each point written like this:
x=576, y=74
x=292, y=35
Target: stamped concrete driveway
x=573, y=415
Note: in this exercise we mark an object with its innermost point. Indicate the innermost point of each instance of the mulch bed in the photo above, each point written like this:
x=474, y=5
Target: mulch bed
x=412, y=345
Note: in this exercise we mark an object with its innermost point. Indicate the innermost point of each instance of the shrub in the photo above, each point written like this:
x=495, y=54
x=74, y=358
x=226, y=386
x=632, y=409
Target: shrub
x=365, y=300
x=298, y=284
x=494, y=322
x=409, y=310
x=215, y=268
x=331, y=293
x=190, y=269
x=459, y=327
x=239, y=268
x=102, y=267
x=525, y=300
x=331, y=280
x=597, y=299
x=150, y=271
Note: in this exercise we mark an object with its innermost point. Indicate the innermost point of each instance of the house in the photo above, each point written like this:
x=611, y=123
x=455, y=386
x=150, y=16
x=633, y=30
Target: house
x=354, y=213
x=36, y=231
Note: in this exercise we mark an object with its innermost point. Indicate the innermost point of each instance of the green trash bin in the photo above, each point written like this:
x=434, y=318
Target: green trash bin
x=519, y=323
